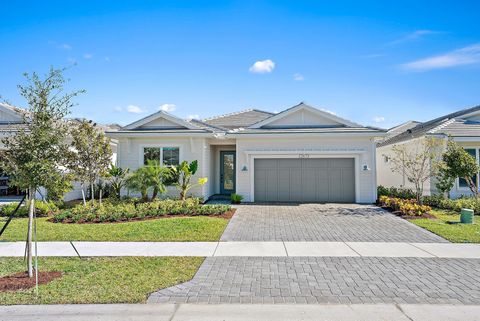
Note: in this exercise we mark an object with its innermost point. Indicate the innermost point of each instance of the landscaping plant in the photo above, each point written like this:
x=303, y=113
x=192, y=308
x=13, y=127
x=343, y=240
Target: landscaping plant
x=406, y=207
x=37, y=155
x=184, y=171
x=236, y=198
x=417, y=161
x=117, y=177
x=150, y=177
x=92, y=155
x=457, y=162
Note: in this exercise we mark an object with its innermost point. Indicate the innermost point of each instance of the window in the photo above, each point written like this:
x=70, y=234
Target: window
x=171, y=156
x=461, y=181
x=167, y=156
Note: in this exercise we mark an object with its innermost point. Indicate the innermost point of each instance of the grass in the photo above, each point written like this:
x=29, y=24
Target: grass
x=175, y=229
x=458, y=233
x=101, y=280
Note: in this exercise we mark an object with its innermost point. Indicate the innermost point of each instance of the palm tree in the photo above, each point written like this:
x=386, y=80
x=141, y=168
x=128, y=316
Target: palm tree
x=149, y=177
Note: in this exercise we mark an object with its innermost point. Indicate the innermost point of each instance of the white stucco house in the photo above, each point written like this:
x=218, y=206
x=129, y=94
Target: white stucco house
x=11, y=120
x=462, y=126
x=301, y=154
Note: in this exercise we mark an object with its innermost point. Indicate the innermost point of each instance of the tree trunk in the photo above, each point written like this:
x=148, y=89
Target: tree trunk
x=93, y=195
x=154, y=193
x=31, y=208
x=100, y=196
x=83, y=196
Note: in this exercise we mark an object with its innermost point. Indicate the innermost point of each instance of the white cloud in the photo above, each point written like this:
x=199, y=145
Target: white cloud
x=195, y=116
x=87, y=56
x=65, y=46
x=298, y=77
x=262, y=66
x=133, y=109
x=417, y=34
x=71, y=60
x=118, y=109
x=464, y=56
x=168, y=107
x=379, y=119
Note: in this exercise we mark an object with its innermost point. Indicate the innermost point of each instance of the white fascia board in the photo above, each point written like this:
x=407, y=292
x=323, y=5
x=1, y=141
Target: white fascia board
x=160, y=114
x=303, y=106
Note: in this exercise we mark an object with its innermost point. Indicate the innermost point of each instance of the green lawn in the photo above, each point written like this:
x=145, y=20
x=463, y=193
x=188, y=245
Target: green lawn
x=458, y=233
x=180, y=229
x=100, y=280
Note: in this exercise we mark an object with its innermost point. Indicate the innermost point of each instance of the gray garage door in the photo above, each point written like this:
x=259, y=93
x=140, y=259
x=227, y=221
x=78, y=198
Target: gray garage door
x=305, y=180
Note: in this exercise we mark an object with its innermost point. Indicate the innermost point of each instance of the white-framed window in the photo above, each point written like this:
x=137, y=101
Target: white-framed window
x=167, y=156
x=461, y=182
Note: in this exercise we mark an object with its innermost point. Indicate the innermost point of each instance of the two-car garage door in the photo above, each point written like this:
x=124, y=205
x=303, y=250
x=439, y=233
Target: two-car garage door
x=305, y=180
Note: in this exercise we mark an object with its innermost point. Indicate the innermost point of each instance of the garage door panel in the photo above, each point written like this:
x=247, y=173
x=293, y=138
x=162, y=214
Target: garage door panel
x=305, y=180
x=284, y=182
x=271, y=193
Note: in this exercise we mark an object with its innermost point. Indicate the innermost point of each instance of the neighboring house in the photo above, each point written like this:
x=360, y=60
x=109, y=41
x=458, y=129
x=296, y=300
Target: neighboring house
x=301, y=154
x=11, y=120
x=462, y=126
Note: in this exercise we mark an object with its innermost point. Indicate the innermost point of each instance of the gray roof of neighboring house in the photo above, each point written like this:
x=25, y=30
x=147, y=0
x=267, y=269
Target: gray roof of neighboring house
x=241, y=119
x=451, y=124
x=402, y=127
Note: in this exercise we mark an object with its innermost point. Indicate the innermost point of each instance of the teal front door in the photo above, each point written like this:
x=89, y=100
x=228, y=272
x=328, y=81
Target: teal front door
x=227, y=172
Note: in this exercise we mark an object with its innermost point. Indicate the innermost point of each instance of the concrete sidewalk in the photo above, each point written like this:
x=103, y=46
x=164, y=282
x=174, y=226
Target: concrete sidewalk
x=251, y=249
x=197, y=312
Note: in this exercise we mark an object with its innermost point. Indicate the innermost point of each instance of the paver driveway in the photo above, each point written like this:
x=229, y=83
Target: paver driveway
x=322, y=222
x=327, y=279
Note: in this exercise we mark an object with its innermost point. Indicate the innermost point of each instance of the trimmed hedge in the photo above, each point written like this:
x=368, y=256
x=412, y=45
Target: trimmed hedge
x=398, y=192
x=126, y=211
x=42, y=209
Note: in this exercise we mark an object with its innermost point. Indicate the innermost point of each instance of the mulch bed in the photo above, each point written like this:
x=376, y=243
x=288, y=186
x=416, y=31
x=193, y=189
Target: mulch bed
x=21, y=281
x=227, y=215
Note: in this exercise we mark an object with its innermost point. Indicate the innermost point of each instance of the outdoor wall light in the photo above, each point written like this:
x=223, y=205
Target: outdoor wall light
x=366, y=168
x=244, y=168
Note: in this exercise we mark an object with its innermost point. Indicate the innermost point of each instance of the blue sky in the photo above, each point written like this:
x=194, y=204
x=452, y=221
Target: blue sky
x=376, y=63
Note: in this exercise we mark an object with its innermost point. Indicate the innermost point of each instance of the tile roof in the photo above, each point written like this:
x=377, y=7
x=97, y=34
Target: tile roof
x=241, y=119
x=451, y=124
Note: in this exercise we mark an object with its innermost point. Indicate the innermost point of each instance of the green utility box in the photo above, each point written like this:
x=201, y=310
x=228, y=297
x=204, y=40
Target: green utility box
x=466, y=216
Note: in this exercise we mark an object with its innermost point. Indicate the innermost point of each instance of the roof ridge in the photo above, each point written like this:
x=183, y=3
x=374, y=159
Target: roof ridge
x=236, y=113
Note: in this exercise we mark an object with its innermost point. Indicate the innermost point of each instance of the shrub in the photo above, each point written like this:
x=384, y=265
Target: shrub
x=398, y=192
x=236, y=198
x=433, y=200
x=41, y=209
x=405, y=206
x=118, y=211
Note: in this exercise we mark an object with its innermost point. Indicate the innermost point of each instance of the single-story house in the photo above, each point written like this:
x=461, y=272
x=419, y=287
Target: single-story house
x=11, y=120
x=301, y=154
x=462, y=126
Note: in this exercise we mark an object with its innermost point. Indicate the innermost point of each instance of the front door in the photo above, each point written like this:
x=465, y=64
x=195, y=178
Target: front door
x=227, y=172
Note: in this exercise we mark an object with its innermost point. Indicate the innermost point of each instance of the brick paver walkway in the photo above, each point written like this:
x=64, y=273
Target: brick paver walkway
x=329, y=280
x=322, y=222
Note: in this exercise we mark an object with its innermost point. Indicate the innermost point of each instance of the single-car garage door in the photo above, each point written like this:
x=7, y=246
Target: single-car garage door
x=305, y=180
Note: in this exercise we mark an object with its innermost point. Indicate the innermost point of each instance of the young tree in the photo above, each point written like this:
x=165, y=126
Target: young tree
x=92, y=154
x=459, y=163
x=184, y=172
x=444, y=182
x=36, y=155
x=418, y=162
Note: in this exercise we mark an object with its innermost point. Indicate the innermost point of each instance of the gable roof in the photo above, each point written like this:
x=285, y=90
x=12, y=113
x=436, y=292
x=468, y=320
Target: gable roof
x=451, y=124
x=240, y=119
x=159, y=115
x=302, y=106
